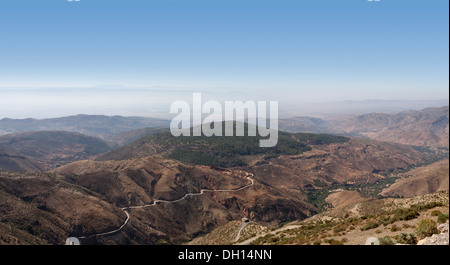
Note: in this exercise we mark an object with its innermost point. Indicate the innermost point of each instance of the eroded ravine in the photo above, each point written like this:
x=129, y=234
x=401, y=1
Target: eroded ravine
x=249, y=177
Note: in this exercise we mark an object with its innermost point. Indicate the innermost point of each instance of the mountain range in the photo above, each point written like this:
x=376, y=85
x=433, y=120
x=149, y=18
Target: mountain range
x=131, y=185
x=426, y=127
x=95, y=125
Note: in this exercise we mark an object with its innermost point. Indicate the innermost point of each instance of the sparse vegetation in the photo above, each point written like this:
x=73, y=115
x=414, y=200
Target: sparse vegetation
x=395, y=228
x=381, y=222
x=409, y=239
x=369, y=226
x=436, y=213
x=426, y=228
x=386, y=241
x=334, y=242
x=442, y=218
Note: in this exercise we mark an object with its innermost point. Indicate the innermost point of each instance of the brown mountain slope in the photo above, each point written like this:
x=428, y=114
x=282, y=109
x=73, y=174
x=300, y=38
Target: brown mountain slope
x=421, y=181
x=13, y=162
x=323, y=161
x=353, y=162
x=344, y=198
x=37, y=208
x=138, y=182
x=357, y=161
x=87, y=198
x=392, y=221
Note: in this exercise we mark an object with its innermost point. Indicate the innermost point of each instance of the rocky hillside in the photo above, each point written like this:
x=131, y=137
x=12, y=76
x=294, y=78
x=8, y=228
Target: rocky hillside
x=351, y=216
x=87, y=198
x=356, y=163
x=390, y=221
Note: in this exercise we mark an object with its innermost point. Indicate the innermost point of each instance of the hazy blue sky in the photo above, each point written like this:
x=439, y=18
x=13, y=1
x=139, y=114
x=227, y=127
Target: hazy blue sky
x=290, y=50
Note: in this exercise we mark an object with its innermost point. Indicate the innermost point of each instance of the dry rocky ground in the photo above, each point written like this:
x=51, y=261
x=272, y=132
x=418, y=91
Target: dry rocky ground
x=437, y=239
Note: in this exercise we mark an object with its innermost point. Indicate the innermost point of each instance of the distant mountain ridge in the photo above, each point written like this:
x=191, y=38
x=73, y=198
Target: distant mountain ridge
x=96, y=125
x=426, y=127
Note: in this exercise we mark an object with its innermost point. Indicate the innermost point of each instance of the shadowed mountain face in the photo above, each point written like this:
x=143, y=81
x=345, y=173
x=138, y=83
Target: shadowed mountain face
x=427, y=127
x=95, y=125
x=50, y=149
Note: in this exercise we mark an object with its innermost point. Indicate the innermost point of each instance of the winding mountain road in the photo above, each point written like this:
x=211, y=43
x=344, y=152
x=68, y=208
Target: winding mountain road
x=110, y=232
x=249, y=176
x=202, y=191
x=243, y=225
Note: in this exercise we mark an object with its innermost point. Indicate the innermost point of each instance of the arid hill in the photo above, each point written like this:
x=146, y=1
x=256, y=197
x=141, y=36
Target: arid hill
x=421, y=181
x=86, y=198
x=140, y=181
x=357, y=161
x=344, y=198
x=391, y=221
x=38, y=208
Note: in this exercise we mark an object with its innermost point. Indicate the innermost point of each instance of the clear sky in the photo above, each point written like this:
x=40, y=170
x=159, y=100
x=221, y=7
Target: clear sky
x=317, y=50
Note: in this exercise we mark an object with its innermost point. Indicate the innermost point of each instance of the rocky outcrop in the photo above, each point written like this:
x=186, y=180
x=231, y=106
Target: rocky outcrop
x=437, y=239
